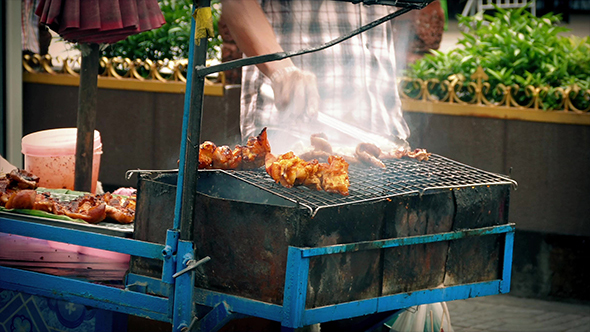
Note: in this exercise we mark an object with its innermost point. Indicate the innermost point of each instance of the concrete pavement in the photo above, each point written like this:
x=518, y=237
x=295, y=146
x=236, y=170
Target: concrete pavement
x=508, y=313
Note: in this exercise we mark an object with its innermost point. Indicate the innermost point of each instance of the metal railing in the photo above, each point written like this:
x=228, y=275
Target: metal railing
x=118, y=73
x=477, y=90
x=471, y=7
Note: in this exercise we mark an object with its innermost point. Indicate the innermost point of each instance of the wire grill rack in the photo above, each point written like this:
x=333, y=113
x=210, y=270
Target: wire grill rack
x=400, y=177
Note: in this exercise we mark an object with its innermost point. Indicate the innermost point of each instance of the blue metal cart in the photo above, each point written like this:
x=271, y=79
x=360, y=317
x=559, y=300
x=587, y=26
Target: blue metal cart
x=173, y=297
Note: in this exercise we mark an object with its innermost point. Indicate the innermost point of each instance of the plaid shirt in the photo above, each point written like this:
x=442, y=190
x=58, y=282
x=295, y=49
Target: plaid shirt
x=356, y=78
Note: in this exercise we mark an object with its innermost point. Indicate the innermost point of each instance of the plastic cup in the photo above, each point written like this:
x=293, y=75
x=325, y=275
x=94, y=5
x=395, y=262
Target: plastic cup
x=51, y=155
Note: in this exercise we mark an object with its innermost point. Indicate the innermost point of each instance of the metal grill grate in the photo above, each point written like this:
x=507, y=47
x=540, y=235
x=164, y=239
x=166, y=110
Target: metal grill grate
x=401, y=177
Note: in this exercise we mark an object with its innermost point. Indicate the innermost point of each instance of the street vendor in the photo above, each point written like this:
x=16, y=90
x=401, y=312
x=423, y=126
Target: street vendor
x=354, y=81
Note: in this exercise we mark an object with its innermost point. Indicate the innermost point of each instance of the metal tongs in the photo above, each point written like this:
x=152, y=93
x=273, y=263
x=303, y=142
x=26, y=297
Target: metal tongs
x=415, y=4
x=360, y=134
x=352, y=131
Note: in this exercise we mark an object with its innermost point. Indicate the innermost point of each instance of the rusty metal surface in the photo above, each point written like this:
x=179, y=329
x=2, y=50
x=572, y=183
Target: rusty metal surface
x=246, y=230
x=477, y=207
x=154, y=215
x=348, y=276
x=248, y=246
x=419, y=266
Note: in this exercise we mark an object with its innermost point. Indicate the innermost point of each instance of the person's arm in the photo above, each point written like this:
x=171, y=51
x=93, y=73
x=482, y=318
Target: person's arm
x=295, y=91
x=252, y=32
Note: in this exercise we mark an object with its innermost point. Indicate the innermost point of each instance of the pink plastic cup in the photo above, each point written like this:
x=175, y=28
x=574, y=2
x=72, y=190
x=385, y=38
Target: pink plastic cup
x=51, y=155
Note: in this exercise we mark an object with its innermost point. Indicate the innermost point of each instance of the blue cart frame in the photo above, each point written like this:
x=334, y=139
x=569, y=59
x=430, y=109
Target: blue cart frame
x=167, y=300
x=174, y=299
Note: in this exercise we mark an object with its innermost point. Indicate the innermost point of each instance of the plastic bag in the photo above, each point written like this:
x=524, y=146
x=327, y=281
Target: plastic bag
x=432, y=317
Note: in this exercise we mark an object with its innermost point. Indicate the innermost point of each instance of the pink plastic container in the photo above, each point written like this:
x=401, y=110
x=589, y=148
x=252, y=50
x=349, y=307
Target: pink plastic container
x=51, y=155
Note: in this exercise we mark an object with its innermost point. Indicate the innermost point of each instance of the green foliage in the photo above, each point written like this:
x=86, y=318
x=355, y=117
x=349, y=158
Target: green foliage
x=171, y=41
x=514, y=48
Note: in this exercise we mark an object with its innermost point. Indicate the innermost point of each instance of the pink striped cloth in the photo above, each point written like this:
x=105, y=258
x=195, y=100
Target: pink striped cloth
x=99, y=21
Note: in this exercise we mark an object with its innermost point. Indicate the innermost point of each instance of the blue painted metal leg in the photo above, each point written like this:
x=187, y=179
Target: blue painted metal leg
x=183, y=290
x=507, y=263
x=295, y=288
x=169, y=252
x=169, y=264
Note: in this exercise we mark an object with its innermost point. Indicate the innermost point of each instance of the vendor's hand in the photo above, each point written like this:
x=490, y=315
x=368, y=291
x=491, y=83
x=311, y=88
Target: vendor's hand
x=296, y=93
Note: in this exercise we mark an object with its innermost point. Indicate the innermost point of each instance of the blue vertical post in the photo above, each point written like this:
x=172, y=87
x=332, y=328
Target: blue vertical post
x=185, y=116
x=190, y=142
x=507, y=262
x=184, y=307
x=169, y=265
x=295, y=293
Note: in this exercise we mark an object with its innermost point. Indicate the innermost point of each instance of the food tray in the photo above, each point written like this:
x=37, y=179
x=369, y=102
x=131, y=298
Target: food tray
x=105, y=227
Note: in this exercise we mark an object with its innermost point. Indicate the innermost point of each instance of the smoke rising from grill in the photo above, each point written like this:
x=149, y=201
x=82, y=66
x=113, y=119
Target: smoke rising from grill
x=356, y=80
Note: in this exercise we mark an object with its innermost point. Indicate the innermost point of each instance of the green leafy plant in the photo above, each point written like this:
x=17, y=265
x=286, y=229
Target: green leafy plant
x=171, y=41
x=514, y=48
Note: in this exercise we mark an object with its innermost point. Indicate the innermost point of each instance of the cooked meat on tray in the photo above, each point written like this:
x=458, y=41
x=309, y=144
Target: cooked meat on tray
x=249, y=156
x=335, y=176
x=17, y=191
x=290, y=170
x=89, y=208
x=23, y=179
x=119, y=208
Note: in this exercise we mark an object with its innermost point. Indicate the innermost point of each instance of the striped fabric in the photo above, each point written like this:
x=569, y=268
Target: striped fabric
x=356, y=78
x=29, y=26
x=99, y=21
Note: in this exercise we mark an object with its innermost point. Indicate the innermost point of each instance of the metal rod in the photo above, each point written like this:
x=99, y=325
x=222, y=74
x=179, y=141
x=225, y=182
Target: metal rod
x=82, y=238
x=185, y=116
x=87, y=101
x=85, y=293
x=190, y=162
x=399, y=301
x=204, y=71
x=406, y=241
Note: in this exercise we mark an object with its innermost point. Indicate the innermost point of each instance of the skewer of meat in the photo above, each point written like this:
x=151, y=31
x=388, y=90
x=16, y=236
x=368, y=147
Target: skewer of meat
x=369, y=153
x=418, y=154
x=320, y=143
x=249, y=156
x=323, y=150
x=372, y=155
